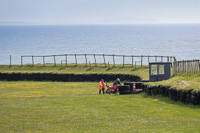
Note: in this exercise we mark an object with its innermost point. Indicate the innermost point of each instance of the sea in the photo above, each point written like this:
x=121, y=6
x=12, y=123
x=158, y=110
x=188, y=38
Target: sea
x=179, y=40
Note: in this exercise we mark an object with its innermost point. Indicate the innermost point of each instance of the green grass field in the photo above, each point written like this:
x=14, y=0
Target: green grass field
x=77, y=107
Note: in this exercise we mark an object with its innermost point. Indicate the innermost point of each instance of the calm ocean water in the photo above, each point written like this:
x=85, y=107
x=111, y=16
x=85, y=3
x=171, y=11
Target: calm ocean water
x=181, y=41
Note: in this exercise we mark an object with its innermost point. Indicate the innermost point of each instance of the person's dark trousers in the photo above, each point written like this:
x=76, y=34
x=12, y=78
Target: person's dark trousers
x=102, y=90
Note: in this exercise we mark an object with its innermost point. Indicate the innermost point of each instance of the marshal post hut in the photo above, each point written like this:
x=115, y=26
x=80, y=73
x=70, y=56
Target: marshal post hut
x=159, y=71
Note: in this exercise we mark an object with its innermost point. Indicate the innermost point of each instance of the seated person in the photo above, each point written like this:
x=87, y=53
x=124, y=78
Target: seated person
x=114, y=87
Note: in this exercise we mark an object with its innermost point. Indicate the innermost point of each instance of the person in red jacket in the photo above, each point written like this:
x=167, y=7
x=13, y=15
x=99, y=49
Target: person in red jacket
x=114, y=88
x=101, y=86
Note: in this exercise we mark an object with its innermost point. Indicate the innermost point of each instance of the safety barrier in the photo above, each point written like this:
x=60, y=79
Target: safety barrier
x=66, y=77
x=185, y=96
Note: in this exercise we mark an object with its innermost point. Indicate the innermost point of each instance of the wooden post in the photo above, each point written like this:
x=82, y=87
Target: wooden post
x=123, y=60
x=104, y=60
x=171, y=59
x=113, y=60
x=198, y=65
x=54, y=60
x=135, y=65
x=10, y=61
x=32, y=60
x=75, y=60
x=141, y=60
x=161, y=58
x=174, y=58
x=132, y=60
x=21, y=60
x=43, y=61
x=178, y=67
x=175, y=67
x=167, y=58
x=187, y=67
x=148, y=59
x=155, y=58
x=85, y=60
x=66, y=59
x=95, y=61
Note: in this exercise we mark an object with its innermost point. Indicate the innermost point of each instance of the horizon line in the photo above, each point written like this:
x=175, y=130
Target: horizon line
x=97, y=24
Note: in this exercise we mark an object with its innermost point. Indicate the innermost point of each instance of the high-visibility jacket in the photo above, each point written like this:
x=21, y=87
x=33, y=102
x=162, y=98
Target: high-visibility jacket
x=101, y=85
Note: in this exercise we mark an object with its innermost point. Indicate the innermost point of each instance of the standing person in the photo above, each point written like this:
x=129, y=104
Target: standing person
x=101, y=86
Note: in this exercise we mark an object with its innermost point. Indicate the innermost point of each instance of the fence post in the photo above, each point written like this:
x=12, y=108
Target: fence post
x=174, y=58
x=10, y=61
x=113, y=60
x=174, y=68
x=21, y=60
x=148, y=59
x=141, y=60
x=85, y=59
x=156, y=58
x=132, y=60
x=43, y=61
x=123, y=60
x=75, y=60
x=161, y=58
x=95, y=60
x=54, y=60
x=171, y=59
x=186, y=66
x=104, y=60
x=66, y=59
x=32, y=60
x=198, y=64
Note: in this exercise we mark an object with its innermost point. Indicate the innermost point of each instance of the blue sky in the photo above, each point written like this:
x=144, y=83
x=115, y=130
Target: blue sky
x=47, y=12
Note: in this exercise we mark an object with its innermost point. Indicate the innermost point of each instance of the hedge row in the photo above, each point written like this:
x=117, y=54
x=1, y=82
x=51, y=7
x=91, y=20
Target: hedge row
x=66, y=77
x=185, y=96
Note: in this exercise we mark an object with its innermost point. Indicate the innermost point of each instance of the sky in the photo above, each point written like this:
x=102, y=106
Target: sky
x=64, y=12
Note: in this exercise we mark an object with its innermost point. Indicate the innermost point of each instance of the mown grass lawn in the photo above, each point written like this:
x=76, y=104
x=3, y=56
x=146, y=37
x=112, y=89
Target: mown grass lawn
x=77, y=107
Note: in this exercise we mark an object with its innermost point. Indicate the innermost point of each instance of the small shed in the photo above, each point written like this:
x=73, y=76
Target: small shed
x=159, y=71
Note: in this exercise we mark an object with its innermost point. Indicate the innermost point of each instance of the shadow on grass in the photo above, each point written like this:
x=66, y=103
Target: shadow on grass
x=169, y=101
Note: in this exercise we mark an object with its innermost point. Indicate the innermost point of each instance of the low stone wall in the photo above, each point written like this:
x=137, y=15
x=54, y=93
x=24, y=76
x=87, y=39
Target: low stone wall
x=185, y=96
x=66, y=77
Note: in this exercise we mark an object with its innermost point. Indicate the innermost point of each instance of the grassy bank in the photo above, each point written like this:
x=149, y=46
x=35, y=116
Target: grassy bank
x=181, y=81
x=143, y=72
x=77, y=107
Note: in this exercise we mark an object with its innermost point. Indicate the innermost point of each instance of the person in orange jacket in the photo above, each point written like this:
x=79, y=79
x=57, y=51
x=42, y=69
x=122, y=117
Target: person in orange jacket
x=101, y=86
